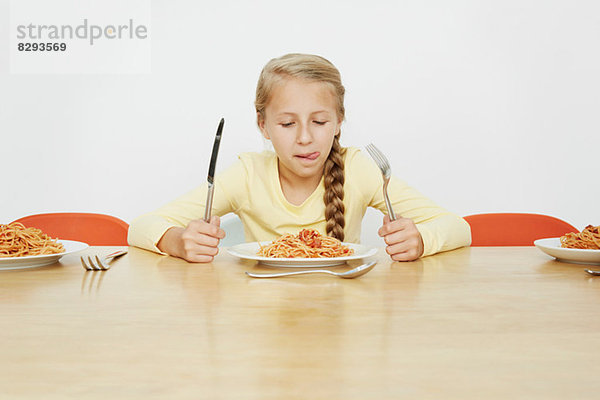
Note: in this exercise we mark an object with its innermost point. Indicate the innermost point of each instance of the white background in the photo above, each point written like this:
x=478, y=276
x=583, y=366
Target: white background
x=484, y=106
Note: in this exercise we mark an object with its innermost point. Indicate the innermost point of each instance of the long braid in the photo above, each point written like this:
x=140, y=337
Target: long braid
x=333, y=176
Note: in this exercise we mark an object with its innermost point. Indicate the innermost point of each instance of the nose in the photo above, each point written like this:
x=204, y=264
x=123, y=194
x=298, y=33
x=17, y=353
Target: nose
x=304, y=135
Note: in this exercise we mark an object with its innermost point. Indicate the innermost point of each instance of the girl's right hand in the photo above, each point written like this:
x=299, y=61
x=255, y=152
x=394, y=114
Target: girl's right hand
x=197, y=242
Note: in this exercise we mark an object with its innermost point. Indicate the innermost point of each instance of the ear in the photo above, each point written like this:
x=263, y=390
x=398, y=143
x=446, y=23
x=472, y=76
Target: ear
x=338, y=126
x=261, y=125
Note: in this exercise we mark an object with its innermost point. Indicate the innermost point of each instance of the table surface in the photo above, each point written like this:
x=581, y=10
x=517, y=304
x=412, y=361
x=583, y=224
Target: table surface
x=503, y=322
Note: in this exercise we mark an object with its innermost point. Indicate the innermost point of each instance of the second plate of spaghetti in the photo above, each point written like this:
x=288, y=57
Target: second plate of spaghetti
x=553, y=248
x=247, y=251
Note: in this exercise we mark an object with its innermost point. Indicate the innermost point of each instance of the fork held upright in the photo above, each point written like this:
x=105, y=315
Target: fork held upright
x=388, y=203
x=386, y=172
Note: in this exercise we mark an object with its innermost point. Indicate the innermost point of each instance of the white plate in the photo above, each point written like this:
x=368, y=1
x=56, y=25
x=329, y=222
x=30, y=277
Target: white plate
x=248, y=251
x=578, y=256
x=71, y=246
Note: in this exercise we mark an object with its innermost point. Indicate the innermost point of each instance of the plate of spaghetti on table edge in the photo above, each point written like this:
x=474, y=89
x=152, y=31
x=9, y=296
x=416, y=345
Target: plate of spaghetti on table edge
x=22, y=247
x=579, y=248
x=306, y=249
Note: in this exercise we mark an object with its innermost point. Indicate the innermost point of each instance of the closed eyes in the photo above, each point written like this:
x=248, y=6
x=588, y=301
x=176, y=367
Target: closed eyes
x=289, y=124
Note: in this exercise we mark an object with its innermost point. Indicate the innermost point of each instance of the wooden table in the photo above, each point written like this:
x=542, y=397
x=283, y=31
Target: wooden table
x=475, y=323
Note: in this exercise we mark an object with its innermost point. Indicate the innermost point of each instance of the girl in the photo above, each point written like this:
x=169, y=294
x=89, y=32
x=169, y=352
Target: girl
x=310, y=181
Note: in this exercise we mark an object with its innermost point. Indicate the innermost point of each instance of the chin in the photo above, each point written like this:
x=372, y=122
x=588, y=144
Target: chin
x=307, y=172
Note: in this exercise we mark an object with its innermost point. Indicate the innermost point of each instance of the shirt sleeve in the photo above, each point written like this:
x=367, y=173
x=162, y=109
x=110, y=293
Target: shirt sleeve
x=147, y=230
x=440, y=229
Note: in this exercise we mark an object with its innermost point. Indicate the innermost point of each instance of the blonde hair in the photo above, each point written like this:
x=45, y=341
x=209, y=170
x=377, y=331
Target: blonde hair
x=317, y=69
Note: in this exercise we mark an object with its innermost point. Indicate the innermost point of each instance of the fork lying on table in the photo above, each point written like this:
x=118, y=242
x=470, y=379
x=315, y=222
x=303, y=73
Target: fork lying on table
x=386, y=171
x=96, y=263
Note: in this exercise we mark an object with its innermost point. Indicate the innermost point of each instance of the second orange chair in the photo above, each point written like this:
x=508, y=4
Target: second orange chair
x=514, y=229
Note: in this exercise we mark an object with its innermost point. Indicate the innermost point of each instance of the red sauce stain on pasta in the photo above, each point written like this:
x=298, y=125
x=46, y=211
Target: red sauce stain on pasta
x=589, y=238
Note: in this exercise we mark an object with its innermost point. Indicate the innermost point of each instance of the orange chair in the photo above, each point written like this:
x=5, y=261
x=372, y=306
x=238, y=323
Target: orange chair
x=514, y=229
x=93, y=229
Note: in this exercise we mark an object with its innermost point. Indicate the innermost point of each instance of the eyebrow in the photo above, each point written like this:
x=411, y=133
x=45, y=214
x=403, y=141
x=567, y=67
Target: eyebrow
x=294, y=114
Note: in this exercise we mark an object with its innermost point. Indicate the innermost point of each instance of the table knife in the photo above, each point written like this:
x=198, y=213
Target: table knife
x=211, y=171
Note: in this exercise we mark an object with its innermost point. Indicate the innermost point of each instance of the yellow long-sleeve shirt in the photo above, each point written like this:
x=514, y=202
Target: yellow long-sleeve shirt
x=251, y=189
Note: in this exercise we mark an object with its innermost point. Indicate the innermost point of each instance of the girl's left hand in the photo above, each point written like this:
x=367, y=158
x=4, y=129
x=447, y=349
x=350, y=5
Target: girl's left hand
x=404, y=242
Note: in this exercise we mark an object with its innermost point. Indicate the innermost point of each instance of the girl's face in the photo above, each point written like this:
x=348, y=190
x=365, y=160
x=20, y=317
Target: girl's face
x=301, y=122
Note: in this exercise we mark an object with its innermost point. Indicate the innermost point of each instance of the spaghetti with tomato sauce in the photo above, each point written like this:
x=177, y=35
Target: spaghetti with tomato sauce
x=16, y=240
x=308, y=243
x=589, y=239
